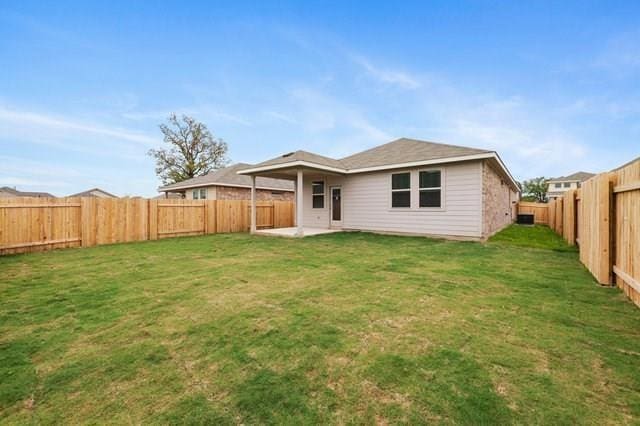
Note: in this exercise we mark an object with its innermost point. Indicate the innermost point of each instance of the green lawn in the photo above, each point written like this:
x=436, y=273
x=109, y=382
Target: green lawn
x=341, y=328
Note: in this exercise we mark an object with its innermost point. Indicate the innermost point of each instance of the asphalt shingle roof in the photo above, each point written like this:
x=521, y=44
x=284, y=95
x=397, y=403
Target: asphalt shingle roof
x=26, y=193
x=302, y=156
x=399, y=151
x=405, y=151
x=579, y=176
x=89, y=193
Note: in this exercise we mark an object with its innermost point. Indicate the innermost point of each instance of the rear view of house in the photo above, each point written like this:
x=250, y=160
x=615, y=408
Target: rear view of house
x=404, y=187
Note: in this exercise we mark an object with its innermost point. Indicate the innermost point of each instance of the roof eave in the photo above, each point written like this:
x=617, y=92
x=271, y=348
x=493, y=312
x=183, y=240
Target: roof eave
x=289, y=164
x=200, y=185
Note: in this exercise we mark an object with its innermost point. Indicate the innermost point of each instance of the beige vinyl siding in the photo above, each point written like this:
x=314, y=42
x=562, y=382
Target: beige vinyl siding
x=318, y=218
x=367, y=204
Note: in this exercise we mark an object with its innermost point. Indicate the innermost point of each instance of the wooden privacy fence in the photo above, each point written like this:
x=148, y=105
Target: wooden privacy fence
x=37, y=224
x=603, y=218
x=540, y=211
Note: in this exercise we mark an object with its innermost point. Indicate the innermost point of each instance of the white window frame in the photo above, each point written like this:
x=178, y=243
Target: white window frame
x=409, y=190
x=323, y=195
x=195, y=194
x=441, y=188
x=203, y=191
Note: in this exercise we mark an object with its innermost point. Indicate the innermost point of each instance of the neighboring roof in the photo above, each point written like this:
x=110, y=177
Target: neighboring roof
x=17, y=193
x=406, y=151
x=228, y=176
x=90, y=193
x=401, y=152
x=577, y=177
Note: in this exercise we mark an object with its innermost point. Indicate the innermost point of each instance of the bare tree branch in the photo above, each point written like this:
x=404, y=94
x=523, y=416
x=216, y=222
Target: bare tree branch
x=192, y=150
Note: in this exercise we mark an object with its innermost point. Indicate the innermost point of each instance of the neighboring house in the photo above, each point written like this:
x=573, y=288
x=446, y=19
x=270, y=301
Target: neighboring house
x=169, y=195
x=406, y=187
x=227, y=184
x=6, y=192
x=95, y=192
x=557, y=186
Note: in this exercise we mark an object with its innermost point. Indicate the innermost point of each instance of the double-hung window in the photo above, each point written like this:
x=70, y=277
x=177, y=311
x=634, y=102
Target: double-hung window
x=401, y=190
x=430, y=188
x=196, y=194
x=317, y=193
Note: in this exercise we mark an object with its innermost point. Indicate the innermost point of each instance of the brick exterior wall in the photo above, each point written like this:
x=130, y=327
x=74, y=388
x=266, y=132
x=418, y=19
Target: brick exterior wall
x=232, y=193
x=497, y=197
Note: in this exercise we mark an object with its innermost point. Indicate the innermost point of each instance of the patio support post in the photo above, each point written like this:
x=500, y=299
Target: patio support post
x=299, y=208
x=253, y=204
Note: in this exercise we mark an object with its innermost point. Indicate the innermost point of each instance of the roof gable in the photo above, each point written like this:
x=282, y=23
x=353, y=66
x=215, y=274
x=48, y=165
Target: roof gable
x=91, y=193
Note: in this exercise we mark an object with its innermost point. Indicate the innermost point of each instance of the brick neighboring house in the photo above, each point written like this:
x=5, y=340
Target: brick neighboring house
x=557, y=186
x=6, y=192
x=227, y=184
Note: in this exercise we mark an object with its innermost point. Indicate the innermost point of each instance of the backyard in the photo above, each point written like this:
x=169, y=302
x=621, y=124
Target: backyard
x=340, y=328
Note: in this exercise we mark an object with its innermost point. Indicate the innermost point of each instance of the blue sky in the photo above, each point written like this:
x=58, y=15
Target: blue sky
x=554, y=87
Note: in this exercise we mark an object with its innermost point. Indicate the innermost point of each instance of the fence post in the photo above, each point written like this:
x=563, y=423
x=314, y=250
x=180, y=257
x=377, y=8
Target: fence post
x=568, y=217
x=604, y=195
x=211, y=217
x=153, y=219
x=612, y=179
x=88, y=221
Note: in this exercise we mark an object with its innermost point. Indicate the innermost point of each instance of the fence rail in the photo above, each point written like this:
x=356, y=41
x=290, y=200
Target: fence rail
x=38, y=224
x=603, y=219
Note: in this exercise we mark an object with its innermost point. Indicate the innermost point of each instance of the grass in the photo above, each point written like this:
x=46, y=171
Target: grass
x=341, y=328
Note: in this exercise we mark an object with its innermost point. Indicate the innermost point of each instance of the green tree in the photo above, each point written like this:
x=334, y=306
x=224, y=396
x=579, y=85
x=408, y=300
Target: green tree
x=192, y=150
x=535, y=189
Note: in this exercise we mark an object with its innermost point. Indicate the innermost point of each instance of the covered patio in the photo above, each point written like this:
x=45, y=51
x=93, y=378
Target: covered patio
x=317, y=182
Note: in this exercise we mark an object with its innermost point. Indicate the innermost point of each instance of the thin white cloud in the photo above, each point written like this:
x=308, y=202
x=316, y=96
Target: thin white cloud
x=621, y=56
x=393, y=77
x=30, y=183
x=202, y=112
x=18, y=117
x=278, y=116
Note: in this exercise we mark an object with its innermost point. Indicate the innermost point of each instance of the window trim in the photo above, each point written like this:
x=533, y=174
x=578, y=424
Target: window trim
x=441, y=187
x=203, y=190
x=409, y=190
x=323, y=195
x=195, y=194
